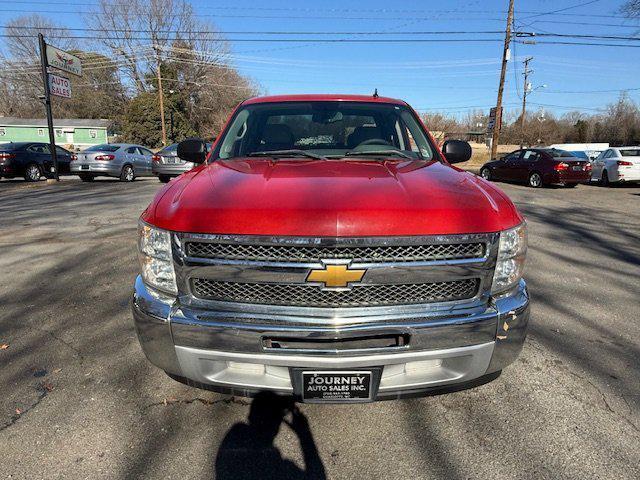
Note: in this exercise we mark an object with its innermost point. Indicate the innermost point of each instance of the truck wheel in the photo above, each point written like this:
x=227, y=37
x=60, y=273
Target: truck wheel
x=164, y=178
x=604, y=179
x=32, y=173
x=127, y=174
x=535, y=180
x=86, y=178
x=485, y=173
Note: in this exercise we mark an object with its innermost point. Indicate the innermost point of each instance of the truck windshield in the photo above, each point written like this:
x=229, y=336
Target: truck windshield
x=324, y=129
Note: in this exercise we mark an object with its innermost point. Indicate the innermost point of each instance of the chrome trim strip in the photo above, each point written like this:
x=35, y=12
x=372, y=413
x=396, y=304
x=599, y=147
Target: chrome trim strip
x=337, y=241
x=331, y=361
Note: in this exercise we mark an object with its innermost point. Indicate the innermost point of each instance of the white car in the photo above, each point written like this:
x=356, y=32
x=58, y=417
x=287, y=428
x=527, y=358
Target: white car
x=621, y=164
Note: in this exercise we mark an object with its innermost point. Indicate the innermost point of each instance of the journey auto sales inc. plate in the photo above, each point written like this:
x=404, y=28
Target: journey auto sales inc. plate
x=336, y=385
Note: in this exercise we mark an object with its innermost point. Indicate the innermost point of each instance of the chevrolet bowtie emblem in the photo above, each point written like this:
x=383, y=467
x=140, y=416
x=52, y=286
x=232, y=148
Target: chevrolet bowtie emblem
x=335, y=276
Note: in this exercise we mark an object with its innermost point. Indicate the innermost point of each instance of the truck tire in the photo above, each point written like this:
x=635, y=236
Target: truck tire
x=127, y=174
x=85, y=177
x=535, y=180
x=32, y=173
x=164, y=178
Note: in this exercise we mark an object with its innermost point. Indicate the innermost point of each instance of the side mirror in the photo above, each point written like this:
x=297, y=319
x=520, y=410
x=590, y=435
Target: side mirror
x=456, y=151
x=192, y=150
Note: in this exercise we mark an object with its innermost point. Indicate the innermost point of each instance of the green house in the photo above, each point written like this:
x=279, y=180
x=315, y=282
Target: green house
x=71, y=133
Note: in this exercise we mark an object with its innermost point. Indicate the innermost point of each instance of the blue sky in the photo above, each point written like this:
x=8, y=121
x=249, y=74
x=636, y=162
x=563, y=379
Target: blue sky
x=448, y=77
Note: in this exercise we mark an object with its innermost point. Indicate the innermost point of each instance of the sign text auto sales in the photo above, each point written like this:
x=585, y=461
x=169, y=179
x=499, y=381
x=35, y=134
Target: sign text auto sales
x=337, y=384
x=59, y=86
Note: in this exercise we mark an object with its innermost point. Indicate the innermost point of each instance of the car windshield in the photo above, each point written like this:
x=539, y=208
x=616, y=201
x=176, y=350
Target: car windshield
x=579, y=155
x=630, y=153
x=103, y=148
x=559, y=153
x=324, y=129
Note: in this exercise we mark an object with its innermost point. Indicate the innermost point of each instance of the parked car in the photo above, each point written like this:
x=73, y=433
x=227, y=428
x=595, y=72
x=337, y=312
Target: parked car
x=621, y=164
x=326, y=249
x=538, y=167
x=167, y=165
x=32, y=160
x=122, y=160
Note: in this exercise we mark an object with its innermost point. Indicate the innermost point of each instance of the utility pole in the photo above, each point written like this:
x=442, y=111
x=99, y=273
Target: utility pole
x=524, y=97
x=498, y=120
x=160, y=96
x=47, y=103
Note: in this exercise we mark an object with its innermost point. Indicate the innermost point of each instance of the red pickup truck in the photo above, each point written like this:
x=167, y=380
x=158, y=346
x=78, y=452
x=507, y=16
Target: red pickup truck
x=327, y=249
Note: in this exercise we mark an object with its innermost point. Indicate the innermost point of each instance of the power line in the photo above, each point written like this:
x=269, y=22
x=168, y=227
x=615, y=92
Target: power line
x=583, y=4
x=615, y=90
x=579, y=35
x=593, y=44
x=382, y=13
x=261, y=32
x=292, y=40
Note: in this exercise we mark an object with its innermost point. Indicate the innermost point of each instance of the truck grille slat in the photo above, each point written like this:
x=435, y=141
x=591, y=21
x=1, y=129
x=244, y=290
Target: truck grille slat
x=312, y=296
x=357, y=254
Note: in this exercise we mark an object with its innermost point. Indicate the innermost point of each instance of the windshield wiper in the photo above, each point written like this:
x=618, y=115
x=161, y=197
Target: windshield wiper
x=389, y=151
x=282, y=153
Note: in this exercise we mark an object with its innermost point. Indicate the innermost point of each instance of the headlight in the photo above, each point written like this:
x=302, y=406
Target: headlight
x=154, y=253
x=510, y=262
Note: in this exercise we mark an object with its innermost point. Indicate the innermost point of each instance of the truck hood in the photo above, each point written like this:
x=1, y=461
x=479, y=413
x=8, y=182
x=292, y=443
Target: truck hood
x=347, y=197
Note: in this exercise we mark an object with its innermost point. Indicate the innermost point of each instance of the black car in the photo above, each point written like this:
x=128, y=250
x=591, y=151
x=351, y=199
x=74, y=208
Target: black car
x=32, y=160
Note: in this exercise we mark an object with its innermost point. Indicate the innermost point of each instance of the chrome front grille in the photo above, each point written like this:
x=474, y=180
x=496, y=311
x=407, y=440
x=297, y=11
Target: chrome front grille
x=314, y=254
x=312, y=296
x=259, y=272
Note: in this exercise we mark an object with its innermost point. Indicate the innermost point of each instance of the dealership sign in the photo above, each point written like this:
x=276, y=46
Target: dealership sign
x=62, y=60
x=59, y=86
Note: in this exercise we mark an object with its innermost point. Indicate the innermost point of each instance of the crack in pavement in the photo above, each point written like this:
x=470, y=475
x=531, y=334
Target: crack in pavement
x=42, y=392
x=61, y=340
x=541, y=348
x=605, y=401
x=203, y=401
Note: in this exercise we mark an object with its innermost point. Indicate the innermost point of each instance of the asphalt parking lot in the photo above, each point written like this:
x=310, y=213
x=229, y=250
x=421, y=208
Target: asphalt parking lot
x=79, y=400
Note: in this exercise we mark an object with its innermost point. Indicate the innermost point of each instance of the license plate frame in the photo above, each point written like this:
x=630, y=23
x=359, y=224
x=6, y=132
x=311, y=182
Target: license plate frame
x=370, y=378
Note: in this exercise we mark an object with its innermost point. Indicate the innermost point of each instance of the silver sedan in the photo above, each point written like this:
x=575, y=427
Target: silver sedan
x=122, y=160
x=166, y=164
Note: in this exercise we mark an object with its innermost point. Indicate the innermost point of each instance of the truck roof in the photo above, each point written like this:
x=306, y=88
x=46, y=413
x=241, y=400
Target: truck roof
x=323, y=98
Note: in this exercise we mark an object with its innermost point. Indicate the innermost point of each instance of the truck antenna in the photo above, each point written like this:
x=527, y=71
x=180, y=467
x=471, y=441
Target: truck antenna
x=375, y=93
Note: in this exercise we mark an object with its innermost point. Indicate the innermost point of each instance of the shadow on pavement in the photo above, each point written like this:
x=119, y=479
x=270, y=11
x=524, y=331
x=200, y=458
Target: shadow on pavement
x=248, y=451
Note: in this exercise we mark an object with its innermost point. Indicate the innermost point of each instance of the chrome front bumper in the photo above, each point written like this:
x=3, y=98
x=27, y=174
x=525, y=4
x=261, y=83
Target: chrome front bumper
x=227, y=351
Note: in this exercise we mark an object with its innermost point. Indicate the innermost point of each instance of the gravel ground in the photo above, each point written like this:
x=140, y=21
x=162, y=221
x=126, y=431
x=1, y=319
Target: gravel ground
x=79, y=400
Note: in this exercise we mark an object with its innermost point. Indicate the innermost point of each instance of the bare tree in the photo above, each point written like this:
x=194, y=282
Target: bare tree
x=20, y=76
x=141, y=35
x=631, y=8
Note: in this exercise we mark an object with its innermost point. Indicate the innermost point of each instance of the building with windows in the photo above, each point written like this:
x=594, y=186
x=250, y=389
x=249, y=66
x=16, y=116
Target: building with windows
x=71, y=133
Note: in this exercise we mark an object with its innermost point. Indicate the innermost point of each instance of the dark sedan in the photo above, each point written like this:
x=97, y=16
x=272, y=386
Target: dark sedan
x=538, y=167
x=31, y=160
